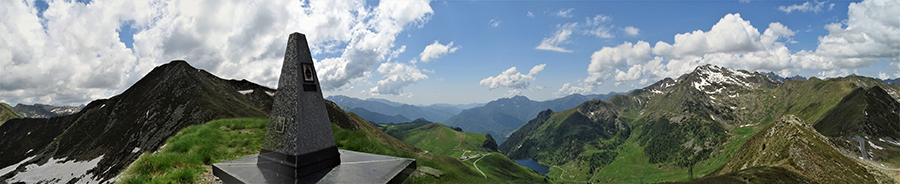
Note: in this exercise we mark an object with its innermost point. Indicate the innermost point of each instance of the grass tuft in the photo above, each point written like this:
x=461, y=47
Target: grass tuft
x=185, y=154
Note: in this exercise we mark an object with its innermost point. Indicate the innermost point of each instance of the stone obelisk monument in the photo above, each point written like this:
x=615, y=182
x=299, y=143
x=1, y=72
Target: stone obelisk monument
x=299, y=146
x=299, y=139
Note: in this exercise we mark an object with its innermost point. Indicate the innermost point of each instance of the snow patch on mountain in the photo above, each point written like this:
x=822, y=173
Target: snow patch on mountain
x=710, y=75
x=57, y=171
x=739, y=73
x=7, y=169
x=244, y=92
x=875, y=146
x=895, y=143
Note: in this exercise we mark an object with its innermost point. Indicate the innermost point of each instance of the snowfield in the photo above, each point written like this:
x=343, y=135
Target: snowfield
x=14, y=166
x=57, y=171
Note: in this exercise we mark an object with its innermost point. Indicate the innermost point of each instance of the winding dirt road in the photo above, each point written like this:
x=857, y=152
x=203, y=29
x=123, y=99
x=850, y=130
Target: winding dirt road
x=862, y=150
x=476, y=165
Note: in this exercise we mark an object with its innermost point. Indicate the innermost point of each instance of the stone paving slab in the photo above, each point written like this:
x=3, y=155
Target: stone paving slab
x=355, y=167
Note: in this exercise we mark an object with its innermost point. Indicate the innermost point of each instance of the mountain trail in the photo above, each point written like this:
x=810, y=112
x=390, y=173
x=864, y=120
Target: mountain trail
x=476, y=165
x=463, y=138
x=564, y=172
x=862, y=149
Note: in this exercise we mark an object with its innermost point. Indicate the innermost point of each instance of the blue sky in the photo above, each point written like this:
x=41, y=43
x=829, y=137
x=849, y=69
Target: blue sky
x=486, y=50
x=401, y=50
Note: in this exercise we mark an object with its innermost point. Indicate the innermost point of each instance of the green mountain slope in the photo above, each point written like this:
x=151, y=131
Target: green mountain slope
x=863, y=112
x=471, y=148
x=679, y=128
x=197, y=146
x=871, y=115
x=503, y=116
x=440, y=139
x=6, y=113
x=762, y=174
x=795, y=146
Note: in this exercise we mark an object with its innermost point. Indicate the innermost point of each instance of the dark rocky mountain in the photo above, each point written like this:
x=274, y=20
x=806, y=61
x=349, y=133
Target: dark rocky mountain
x=392, y=108
x=7, y=113
x=503, y=116
x=99, y=141
x=489, y=143
x=870, y=115
x=45, y=111
x=375, y=117
x=778, y=78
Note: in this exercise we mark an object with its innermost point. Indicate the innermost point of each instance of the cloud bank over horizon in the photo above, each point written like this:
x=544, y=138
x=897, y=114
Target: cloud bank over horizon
x=71, y=52
x=868, y=36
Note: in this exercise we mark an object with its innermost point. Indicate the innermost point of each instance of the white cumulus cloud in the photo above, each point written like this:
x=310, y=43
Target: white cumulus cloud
x=631, y=31
x=397, y=76
x=536, y=69
x=745, y=48
x=436, y=50
x=511, y=78
x=71, y=54
x=867, y=36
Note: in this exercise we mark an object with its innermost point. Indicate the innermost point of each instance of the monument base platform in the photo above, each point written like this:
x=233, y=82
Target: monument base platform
x=355, y=167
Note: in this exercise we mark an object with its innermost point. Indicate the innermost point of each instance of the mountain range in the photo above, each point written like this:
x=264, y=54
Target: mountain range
x=693, y=126
x=375, y=117
x=499, y=117
x=503, y=116
x=44, y=111
x=714, y=125
x=395, y=111
x=781, y=79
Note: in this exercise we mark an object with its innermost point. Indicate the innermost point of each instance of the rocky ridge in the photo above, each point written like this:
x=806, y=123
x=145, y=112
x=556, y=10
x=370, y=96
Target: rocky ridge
x=108, y=134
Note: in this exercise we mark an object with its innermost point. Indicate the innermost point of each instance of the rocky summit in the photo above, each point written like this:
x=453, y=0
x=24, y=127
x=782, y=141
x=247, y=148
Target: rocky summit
x=99, y=141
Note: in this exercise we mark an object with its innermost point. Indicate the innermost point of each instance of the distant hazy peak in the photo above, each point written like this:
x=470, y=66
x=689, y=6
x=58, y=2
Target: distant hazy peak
x=519, y=97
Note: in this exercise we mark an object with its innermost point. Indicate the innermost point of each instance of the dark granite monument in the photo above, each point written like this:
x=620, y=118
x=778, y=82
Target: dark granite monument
x=299, y=146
